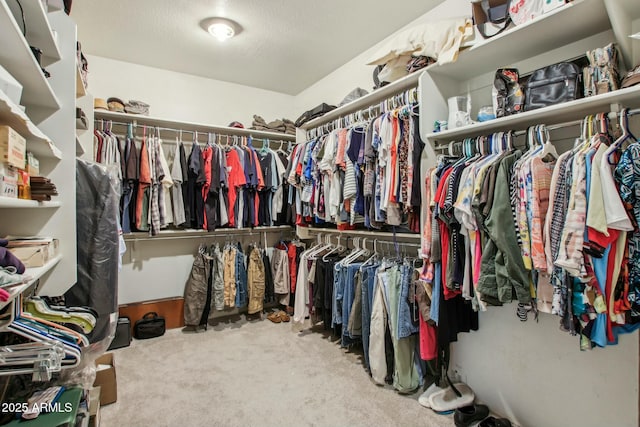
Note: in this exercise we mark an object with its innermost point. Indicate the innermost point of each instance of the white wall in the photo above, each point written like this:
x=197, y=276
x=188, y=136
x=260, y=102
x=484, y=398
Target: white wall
x=186, y=97
x=537, y=376
x=334, y=87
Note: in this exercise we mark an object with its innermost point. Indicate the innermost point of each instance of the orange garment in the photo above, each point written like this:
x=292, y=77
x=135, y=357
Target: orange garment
x=236, y=179
x=207, y=156
x=143, y=183
x=342, y=149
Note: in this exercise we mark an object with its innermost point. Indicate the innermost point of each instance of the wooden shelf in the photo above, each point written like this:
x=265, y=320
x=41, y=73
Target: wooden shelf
x=37, y=142
x=39, y=33
x=628, y=97
x=567, y=24
x=188, y=126
x=17, y=59
x=11, y=202
x=34, y=274
x=372, y=98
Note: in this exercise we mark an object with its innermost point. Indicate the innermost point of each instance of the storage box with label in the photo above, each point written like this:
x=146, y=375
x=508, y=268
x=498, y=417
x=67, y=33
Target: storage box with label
x=8, y=180
x=106, y=379
x=13, y=147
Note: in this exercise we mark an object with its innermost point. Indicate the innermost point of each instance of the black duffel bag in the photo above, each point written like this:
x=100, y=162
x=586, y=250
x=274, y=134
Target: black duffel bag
x=150, y=326
x=316, y=112
x=553, y=85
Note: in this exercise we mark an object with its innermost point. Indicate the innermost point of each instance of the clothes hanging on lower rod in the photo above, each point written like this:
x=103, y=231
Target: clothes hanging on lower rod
x=226, y=278
x=368, y=301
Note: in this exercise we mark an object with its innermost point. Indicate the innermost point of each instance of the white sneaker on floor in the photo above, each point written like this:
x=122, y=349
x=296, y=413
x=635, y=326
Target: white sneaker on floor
x=424, y=397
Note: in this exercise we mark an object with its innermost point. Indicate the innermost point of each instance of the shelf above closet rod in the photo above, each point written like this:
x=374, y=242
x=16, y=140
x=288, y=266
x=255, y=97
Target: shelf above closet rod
x=372, y=98
x=190, y=126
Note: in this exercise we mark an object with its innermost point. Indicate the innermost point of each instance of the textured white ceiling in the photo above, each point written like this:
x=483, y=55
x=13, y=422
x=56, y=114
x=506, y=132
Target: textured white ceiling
x=285, y=45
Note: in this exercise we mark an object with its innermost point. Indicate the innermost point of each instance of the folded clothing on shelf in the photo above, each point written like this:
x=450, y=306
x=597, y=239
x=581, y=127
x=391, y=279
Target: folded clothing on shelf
x=279, y=125
x=42, y=188
x=137, y=107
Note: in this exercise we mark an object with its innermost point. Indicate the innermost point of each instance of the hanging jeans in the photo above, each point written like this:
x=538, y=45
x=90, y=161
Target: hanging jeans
x=405, y=374
x=348, y=293
x=255, y=281
x=368, y=282
x=377, y=356
x=127, y=192
x=338, y=289
x=241, y=279
x=406, y=324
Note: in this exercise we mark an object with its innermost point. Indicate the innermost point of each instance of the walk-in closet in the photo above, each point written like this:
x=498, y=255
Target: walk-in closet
x=320, y=214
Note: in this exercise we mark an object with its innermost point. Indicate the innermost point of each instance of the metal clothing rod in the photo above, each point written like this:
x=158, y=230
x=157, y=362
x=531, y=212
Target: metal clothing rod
x=404, y=98
x=212, y=235
x=612, y=116
x=159, y=128
x=154, y=128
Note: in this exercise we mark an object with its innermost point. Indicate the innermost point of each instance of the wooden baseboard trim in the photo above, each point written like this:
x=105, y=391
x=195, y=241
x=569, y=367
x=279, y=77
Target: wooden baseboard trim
x=172, y=309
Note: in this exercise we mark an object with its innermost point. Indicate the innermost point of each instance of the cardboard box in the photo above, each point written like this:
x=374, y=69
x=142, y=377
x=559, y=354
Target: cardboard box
x=106, y=379
x=13, y=147
x=33, y=165
x=94, y=406
x=8, y=180
x=49, y=244
x=32, y=256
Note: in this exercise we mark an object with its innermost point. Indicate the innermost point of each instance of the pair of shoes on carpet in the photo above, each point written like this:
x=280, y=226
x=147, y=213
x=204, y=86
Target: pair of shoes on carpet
x=478, y=415
x=278, y=317
x=446, y=400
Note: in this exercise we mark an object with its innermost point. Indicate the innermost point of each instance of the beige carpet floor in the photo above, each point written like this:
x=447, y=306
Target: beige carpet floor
x=253, y=373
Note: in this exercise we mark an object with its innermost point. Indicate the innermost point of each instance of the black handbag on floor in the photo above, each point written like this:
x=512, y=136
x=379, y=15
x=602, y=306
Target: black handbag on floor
x=150, y=326
x=552, y=85
x=123, y=334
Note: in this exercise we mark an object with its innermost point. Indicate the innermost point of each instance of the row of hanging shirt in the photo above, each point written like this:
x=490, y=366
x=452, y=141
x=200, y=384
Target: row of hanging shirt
x=366, y=173
x=364, y=297
x=219, y=185
x=555, y=232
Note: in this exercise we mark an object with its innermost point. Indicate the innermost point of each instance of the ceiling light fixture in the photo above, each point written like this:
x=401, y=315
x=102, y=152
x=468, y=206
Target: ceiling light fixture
x=220, y=28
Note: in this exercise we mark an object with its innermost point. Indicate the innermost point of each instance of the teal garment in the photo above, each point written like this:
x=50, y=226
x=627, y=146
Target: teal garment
x=405, y=375
x=507, y=273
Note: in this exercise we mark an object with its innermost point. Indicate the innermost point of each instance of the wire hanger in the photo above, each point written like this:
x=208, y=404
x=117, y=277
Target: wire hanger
x=626, y=135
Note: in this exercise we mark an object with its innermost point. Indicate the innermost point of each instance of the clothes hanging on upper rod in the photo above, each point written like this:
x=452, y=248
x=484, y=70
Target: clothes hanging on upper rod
x=552, y=231
x=366, y=174
x=202, y=188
